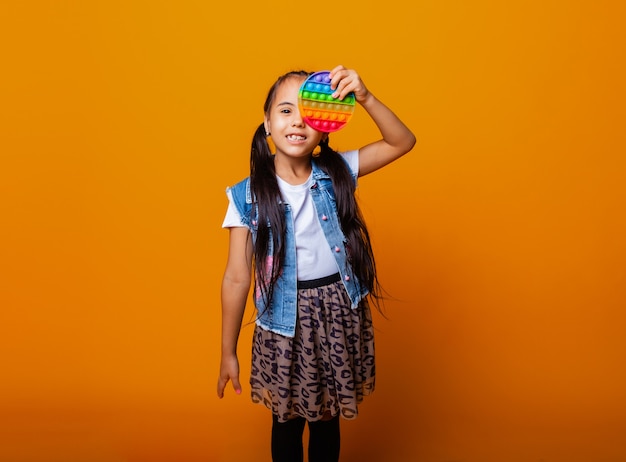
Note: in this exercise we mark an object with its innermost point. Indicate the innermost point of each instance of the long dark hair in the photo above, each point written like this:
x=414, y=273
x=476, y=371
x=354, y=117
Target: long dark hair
x=269, y=253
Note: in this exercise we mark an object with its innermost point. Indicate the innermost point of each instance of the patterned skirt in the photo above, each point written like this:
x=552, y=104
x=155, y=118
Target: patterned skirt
x=327, y=367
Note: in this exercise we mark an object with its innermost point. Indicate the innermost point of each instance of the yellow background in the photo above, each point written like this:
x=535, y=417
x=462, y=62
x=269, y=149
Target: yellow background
x=500, y=237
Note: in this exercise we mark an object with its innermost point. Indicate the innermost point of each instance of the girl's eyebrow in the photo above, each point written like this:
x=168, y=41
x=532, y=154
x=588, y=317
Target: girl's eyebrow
x=285, y=103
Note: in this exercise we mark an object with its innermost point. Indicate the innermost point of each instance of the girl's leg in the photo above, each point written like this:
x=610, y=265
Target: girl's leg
x=324, y=440
x=287, y=440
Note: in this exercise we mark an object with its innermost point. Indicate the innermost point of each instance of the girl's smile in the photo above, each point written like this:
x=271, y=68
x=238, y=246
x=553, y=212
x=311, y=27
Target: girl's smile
x=296, y=139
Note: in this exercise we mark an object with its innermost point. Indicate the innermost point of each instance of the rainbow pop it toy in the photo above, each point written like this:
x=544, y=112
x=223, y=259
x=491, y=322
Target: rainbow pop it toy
x=319, y=109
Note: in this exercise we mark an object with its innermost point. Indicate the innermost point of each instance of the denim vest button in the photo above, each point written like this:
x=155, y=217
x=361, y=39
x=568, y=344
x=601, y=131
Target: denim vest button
x=337, y=249
x=347, y=278
x=324, y=217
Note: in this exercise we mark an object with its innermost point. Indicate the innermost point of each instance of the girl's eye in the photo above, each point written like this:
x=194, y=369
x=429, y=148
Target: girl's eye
x=285, y=111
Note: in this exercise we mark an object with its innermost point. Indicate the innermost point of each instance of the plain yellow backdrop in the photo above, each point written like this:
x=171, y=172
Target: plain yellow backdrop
x=500, y=237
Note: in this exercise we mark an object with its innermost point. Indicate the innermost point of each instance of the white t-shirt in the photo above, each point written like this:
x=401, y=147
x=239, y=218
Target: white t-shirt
x=313, y=255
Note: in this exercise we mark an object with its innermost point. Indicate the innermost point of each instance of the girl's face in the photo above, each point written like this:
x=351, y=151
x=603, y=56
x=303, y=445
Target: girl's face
x=291, y=135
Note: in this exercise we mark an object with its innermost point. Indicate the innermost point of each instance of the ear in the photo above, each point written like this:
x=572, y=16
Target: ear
x=266, y=124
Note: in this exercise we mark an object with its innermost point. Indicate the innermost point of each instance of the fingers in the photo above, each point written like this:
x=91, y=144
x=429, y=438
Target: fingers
x=222, y=382
x=340, y=79
x=236, y=385
x=335, y=70
x=229, y=371
x=345, y=81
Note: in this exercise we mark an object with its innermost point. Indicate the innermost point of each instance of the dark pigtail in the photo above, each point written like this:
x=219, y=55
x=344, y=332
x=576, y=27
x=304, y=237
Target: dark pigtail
x=269, y=250
x=360, y=253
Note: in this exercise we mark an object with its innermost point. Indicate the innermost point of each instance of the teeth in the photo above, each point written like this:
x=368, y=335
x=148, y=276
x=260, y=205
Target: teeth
x=296, y=138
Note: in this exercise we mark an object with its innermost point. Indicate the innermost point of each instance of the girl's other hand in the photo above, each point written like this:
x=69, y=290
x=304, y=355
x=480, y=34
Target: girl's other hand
x=229, y=370
x=344, y=81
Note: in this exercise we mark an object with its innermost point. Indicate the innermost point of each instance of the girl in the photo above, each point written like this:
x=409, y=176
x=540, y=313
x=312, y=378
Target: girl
x=296, y=218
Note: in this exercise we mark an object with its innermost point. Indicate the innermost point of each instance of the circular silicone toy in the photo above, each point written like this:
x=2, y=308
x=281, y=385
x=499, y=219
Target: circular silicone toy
x=319, y=109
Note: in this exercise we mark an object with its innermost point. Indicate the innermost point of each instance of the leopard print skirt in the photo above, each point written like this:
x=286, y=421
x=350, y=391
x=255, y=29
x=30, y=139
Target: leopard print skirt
x=327, y=367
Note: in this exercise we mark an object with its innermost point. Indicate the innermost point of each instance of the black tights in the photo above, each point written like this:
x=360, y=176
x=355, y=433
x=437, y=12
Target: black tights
x=323, y=440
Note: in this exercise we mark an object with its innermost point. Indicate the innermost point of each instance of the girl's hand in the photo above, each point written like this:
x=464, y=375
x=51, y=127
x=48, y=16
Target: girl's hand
x=229, y=370
x=344, y=81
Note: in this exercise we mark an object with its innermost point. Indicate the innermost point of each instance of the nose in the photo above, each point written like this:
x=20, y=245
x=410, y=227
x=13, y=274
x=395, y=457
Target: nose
x=297, y=119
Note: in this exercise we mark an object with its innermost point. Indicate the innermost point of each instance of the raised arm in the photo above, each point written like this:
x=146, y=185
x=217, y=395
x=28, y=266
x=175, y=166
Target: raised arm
x=235, y=289
x=396, y=140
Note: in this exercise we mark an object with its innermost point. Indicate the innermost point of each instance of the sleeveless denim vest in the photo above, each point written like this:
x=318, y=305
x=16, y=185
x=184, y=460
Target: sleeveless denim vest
x=280, y=316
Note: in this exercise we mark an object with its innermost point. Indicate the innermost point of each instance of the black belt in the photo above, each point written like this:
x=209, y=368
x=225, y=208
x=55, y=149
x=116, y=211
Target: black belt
x=313, y=283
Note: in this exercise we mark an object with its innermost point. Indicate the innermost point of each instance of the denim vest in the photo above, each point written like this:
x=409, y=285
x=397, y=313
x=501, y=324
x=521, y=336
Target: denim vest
x=280, y=316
